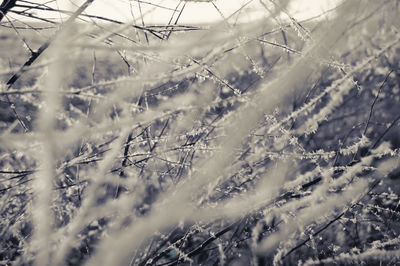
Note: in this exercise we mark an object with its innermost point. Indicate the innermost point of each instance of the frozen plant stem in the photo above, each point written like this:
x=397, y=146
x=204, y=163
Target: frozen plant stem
x=44, y=178
x=43, y=184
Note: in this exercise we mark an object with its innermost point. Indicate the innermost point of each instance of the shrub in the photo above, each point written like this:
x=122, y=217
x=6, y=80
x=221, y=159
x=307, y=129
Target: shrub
x=274, y=141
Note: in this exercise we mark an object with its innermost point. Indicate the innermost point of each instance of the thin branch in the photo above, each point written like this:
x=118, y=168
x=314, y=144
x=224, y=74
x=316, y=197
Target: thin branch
x=394, y=122
x=203, y=245
x=376, y=98
x=5, y=7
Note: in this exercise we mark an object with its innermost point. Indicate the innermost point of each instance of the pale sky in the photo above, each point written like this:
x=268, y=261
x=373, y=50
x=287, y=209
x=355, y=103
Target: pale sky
x=194, y=12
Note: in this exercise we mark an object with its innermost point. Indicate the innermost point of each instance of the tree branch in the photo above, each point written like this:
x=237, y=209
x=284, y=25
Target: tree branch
x=5, y=7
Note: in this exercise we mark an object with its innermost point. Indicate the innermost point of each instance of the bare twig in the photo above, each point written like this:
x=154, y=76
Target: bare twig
x=373, y=103
x=5, y=7
x=203, y=245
